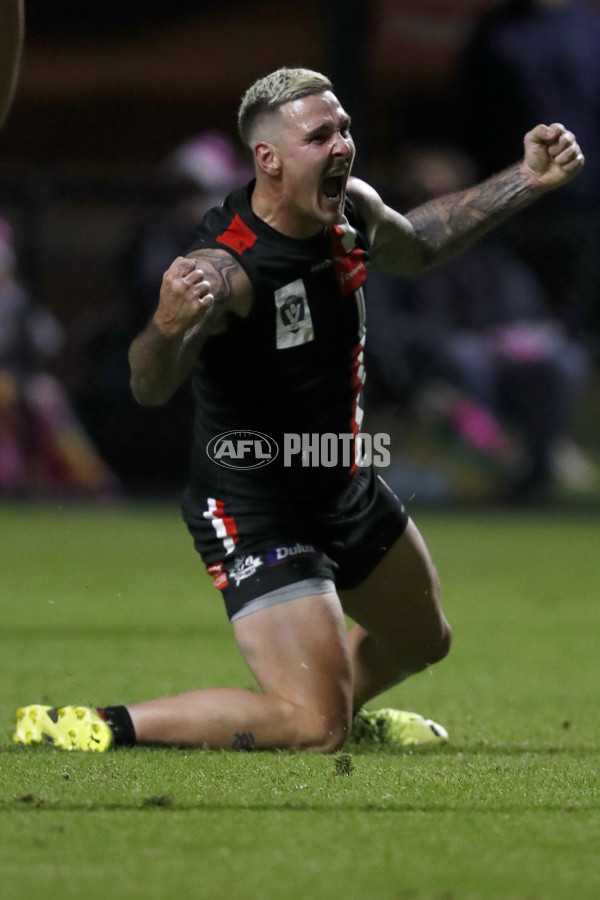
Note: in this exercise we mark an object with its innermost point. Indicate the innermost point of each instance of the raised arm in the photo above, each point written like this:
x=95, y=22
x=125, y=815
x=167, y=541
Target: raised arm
x=435, y=231
x=196, y=294
x=11, y=43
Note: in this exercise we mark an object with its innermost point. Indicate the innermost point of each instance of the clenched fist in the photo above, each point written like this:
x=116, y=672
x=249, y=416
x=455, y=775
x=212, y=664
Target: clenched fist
x=552, y=156
x=185, y=298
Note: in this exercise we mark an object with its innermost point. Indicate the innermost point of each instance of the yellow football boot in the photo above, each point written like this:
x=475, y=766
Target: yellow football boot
x=68, y=727
x=395, y=728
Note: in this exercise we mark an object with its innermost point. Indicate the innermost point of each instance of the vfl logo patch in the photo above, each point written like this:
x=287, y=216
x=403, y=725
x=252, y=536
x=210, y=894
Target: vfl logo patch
x=294, y=321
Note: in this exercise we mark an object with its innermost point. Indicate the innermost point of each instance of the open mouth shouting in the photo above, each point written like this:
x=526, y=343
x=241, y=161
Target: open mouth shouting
x=334, y=186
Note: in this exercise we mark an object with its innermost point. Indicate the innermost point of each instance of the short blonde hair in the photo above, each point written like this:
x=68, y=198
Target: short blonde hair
x=269, y=93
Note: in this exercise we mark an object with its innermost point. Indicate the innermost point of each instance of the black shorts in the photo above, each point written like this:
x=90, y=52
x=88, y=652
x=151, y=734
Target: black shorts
x=255, y=553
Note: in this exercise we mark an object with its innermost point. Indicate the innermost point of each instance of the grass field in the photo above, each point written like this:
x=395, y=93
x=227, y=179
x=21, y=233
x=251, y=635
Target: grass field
x=111, y=605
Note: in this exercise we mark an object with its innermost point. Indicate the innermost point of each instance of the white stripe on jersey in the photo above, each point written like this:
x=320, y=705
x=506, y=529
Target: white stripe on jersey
x=218, y=524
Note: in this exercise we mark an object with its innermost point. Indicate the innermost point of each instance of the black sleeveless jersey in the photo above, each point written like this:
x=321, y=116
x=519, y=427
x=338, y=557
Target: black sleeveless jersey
x=269, y=388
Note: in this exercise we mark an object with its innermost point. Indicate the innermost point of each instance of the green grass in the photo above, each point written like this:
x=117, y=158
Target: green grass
x=111, y=605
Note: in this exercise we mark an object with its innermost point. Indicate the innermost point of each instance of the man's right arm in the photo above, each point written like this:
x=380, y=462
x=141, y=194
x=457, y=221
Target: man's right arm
x=196, y=294
x=11, y=42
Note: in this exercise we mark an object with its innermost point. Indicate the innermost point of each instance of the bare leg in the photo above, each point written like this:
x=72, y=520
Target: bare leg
x=298, y=653
x=309, y=669
x=401, y=628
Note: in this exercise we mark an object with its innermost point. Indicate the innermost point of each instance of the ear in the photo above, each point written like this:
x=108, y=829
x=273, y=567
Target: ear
x=267, y=158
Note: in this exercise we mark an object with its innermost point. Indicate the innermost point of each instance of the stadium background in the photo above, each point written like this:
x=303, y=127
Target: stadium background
x=108, y=90
x=107, y=602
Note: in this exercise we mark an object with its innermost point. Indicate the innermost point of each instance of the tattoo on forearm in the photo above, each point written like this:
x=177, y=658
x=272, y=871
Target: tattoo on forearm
x=243, y=740
x=456, y=220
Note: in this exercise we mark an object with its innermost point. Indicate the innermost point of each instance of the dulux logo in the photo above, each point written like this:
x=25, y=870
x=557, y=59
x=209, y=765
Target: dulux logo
x=242, y=449
x=287, y=551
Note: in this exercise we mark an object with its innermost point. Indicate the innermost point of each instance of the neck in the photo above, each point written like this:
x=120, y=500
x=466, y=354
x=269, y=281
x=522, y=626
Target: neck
x=269, y=204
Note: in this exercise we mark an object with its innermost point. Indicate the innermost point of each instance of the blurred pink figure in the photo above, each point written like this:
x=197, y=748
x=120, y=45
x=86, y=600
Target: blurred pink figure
x=43, y=448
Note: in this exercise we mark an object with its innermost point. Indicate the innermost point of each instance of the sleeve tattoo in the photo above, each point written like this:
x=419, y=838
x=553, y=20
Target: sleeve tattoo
x=456, y=220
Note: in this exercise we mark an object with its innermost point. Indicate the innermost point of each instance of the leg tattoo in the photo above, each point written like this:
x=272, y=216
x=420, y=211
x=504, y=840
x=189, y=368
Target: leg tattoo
x=243, y=740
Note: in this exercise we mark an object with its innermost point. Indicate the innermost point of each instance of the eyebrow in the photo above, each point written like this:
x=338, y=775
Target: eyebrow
x=344, y=124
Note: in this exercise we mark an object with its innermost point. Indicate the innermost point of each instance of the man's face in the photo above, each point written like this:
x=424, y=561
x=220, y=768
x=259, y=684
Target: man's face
x=315, y=152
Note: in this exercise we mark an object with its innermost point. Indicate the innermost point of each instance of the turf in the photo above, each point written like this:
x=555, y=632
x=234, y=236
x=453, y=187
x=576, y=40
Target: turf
x=111, y=605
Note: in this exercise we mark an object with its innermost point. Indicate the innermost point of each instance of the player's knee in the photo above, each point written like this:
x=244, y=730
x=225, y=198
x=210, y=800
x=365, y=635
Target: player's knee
x=439, y=647
x=426, y=648
x=324, y=734
x=329, y=741
x=436, y=643
x=436, y=634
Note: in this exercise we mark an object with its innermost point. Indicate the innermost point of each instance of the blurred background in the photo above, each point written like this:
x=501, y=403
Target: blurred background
x=123, y=131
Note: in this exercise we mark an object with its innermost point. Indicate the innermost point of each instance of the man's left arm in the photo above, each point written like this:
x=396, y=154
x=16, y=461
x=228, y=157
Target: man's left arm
x=440, y=228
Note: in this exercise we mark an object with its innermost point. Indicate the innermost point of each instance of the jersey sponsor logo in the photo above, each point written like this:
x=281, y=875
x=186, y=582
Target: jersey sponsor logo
x=244, y=567
x=242, y=449
x=322, y=265
x=294, y=321
x=351, y=271
x=278, y=555
x=238, y=236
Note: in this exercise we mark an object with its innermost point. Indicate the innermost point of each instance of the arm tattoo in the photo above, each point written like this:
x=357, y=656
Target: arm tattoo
x=243, y=740
x=450, y=223
x=220, y=269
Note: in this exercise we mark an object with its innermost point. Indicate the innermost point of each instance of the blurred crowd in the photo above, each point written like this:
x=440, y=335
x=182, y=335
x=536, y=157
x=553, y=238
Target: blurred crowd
x=485, y=368
x=44, y=449
x=479, y=370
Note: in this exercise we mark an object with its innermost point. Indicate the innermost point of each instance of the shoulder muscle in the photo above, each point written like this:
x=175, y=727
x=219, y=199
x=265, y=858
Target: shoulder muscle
x=394, y=246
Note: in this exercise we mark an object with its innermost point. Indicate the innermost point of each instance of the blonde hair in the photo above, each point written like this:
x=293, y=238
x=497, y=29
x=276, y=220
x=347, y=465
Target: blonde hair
x=269, y=93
